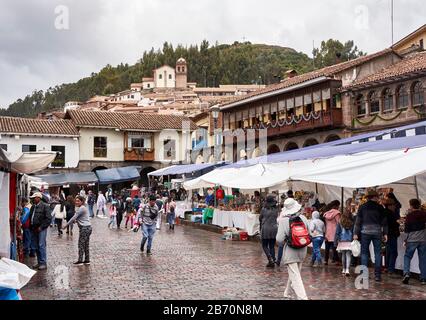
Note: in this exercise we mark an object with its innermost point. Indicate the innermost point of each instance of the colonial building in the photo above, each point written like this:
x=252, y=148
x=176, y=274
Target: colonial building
x=394, y=96
x=414, y=40
x=115, y=139
x=19, y=135
x=302, y=110
x=167, y=77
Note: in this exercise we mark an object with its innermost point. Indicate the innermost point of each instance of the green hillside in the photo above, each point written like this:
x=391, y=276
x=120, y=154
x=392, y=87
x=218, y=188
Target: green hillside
x=208, y=65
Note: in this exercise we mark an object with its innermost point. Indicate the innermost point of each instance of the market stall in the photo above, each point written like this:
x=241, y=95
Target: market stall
x=245, y=220
x=12, y=167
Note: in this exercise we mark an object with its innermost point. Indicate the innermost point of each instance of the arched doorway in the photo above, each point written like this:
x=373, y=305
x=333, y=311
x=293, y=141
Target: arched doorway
x=291, y=146
x=310, y=142
x=144, y=176
x=332, y=137
x=273, y=148
x=99, y=168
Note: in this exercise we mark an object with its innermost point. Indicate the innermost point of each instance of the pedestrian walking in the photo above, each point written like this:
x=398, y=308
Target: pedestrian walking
x=317, y=231
x=171, y=215
x=148, y=219
x=81, y=217
x=91, y=199
x=295, y=245
x=40, y=218
x=100, y=204
x=120, y=210
x=392, y=215
x=112, y=215
x=343, y=240
x=130, y=212
x=268, y=228
x=332, y=218
x=70, y=211
x=371, y=226
x=136, y=202
x=160, y=203
x=415, y=239
x=82, y=192
x=60, y=214
x=25, y=222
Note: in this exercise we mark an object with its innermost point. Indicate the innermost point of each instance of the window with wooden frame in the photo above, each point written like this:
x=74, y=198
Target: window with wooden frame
x=100, y=147
x=418, y=94
x=387, y=100
x=361, y=110
x=374, y=102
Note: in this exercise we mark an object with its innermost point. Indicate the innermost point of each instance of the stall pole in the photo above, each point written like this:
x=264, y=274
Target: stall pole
x=316, y=188
x=416, y=187
x=343, y=200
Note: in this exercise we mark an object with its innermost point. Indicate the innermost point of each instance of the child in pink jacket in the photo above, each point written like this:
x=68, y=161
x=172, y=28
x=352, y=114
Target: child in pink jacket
x=332, y=218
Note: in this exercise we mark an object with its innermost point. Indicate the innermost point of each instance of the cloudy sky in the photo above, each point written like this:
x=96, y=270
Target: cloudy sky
x=40, y=47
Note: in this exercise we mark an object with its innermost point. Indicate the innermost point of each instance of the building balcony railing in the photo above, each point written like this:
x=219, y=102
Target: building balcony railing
x=305, y=122
x=139, y=154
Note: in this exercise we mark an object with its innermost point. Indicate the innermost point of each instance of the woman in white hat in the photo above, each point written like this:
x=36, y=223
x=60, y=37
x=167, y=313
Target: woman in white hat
x=293, y=257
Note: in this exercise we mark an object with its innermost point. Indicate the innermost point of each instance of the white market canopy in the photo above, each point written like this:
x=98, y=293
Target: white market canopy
x=367, y=164
x=27, y=162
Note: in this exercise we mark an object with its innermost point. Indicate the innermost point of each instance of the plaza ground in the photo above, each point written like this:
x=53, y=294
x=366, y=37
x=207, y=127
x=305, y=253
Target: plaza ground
x=186, y=264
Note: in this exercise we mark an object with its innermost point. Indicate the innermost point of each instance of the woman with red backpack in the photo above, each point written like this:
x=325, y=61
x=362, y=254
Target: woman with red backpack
x=293, y=231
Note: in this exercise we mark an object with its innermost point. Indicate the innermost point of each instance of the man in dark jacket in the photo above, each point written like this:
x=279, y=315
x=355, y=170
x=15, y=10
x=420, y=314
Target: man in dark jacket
x=370, y=225
x=40, y=219
x=415, y=239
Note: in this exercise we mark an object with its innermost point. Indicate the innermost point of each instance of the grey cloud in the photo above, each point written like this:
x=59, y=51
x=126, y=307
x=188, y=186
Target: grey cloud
x=34, y=55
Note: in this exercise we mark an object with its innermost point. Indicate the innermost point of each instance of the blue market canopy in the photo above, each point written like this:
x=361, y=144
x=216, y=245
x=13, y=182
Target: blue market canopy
x=56, y=180
x=186, y=169
x=117, y=175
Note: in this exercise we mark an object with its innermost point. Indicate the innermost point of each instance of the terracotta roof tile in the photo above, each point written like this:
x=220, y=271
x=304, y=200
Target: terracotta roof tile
x=411, y=64
x=37, y=126
x=330, y=71
x=127, y=121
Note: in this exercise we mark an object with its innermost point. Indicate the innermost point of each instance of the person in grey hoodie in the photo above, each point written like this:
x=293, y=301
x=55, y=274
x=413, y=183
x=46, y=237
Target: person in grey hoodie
x=268, y=228
x=293, y=258
x=317, y=230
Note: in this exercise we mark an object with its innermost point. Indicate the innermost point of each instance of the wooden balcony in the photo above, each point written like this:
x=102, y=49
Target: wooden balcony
x=307, y=122
x=139, y=154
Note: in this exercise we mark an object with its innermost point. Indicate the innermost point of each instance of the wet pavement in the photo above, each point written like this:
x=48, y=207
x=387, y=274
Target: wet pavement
x=186, y=264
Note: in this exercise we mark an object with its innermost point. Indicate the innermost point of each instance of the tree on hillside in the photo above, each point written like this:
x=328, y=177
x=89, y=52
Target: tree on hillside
x=333, y=51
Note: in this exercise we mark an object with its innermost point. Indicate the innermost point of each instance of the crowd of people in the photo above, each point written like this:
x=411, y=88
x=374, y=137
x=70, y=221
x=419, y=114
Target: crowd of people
x=332, y=227
x=141, y=211
x=377, y=221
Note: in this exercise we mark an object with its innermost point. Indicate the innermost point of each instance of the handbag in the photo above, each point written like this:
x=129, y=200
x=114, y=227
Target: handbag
x=356, y=248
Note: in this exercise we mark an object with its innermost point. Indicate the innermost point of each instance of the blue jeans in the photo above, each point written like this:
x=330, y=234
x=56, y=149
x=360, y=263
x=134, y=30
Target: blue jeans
x=39, y=241
x=316, y=249
x=27, y=241
x=91, y=210
x=409, y=252
x=280, y=252
x=391, y=253
x=148, y=233
x=171, y=218
x=365, y=249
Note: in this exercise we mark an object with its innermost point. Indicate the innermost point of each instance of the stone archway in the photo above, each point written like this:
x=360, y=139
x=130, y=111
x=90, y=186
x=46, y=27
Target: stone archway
x=99, y=168
x=310, y=142
x=144, y=175
x=291, y=146
x=273, y=148
x=332, y=137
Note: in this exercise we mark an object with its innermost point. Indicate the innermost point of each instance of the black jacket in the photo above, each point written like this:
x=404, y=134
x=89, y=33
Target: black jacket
x=371, y=219
x=40, y=216
x=393, y=225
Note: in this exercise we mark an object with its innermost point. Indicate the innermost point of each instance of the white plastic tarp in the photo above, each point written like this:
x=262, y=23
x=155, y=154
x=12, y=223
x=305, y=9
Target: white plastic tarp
x=27, y=162
x=4, y=215
x=14, y=275
x=366, y=169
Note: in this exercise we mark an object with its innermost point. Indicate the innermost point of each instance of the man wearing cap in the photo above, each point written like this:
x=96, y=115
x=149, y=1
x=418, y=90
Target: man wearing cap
x=148, y=219
x=40, y=219
x=371, y=226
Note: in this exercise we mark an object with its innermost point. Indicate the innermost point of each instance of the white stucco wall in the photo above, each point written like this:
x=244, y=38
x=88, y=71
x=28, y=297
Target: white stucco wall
x=148, y=85
x=165, y=82
x=115, y=144
x=44, y=143
x=181, y=144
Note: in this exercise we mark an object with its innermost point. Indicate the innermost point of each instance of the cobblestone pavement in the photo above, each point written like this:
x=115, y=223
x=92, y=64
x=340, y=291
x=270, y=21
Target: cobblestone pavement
x=186, y=264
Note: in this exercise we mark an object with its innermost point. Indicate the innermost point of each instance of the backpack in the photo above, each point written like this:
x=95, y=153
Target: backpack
x=299, y=233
